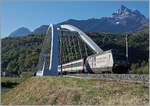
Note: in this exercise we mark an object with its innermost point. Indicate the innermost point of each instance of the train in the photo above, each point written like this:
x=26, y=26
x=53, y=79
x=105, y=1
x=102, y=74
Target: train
x=110, y=61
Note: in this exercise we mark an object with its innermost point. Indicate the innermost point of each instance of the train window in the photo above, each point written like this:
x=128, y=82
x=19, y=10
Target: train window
x=76, y=64
x=73, y=65
x=120, y=57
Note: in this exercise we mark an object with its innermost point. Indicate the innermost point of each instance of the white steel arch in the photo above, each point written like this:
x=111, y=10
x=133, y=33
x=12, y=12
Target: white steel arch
x=84, y=37
x=53, y=32
x=53, y=66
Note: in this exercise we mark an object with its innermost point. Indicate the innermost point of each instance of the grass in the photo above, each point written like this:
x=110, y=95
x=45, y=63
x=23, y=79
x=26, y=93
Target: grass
x=8, y=83
x=11, y=79
x=75, y=91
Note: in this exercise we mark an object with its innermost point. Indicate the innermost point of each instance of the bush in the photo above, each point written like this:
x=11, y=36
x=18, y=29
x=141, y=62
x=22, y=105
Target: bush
x=140, y=69
x=26, y=74
x=145, y=69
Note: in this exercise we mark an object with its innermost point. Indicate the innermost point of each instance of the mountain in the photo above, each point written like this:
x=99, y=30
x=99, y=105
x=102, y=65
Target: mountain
x=143, y=28
x=122, y=20
x=20, y=32
x=41, y=30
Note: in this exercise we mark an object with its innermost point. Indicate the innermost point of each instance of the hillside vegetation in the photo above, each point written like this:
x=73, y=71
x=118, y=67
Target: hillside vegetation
x=75, y=91
x=20, y=54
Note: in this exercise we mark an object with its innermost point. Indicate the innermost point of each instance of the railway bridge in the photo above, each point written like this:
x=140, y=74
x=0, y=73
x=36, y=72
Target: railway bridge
x=63, y=44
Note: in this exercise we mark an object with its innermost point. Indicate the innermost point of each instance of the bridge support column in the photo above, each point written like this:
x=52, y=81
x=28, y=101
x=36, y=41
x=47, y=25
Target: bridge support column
x=53, y=67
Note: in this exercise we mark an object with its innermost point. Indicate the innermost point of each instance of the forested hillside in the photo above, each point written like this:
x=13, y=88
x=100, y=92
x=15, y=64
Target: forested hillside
x=20, y=54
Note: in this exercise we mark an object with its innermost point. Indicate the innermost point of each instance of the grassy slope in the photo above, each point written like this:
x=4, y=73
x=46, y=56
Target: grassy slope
x=59, y=90
x=9, y=82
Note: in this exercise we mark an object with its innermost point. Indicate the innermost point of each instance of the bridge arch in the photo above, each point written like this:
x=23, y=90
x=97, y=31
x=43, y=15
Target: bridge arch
x=53, y=32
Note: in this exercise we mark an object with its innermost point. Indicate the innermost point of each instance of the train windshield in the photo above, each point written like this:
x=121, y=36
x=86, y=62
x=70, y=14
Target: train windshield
x=118, y=55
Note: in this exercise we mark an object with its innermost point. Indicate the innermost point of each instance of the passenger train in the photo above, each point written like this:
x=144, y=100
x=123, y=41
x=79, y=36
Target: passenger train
x=110, y=61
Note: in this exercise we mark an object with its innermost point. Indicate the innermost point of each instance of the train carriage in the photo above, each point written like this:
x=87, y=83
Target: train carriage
x=100, y=63
x=72, y=67
x=110, y=61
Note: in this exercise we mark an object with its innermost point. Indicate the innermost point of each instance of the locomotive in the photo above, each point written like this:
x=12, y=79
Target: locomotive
x=110, y=61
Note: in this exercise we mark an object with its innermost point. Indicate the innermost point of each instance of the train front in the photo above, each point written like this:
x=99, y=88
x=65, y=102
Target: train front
x=121, y=64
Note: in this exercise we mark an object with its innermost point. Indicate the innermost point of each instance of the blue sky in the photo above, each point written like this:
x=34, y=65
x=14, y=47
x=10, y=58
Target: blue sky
x=33, y=14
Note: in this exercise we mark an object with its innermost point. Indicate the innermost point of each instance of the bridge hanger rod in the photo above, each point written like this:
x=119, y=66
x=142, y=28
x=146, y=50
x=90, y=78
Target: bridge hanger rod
x=70, y=48
x=67, y=49
x=80, y=51
x=74, y=46
x=62, y=49
x=85, y=49
x=84, y=37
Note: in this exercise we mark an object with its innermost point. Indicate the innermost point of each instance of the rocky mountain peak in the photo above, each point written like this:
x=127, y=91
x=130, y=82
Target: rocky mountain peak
x=124, y=12
x=123, y=7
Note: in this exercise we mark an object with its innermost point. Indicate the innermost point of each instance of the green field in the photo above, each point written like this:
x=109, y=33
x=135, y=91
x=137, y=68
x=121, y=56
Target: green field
x=75, y=91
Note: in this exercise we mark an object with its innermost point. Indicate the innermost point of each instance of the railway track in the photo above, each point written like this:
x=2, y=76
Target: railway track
x=117, y=77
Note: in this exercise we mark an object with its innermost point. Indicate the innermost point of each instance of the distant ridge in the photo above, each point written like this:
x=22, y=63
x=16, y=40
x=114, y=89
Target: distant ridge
x=144, y=27
x=122, y=20
x=41, y=30
x=20, y=32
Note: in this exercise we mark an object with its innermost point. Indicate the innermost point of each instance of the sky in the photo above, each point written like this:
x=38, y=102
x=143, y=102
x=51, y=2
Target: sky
x=31, y=14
